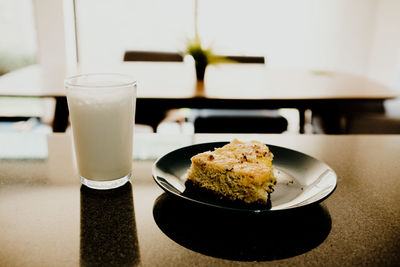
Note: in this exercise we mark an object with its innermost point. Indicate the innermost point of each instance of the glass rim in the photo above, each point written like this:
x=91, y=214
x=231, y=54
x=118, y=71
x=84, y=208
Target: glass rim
x=75, y=81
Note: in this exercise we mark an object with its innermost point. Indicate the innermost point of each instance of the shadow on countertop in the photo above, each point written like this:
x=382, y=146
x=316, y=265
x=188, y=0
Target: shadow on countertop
x=108, y=228
x=242, y=236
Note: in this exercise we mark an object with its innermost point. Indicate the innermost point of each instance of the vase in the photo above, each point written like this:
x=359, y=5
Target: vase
x=200, y=71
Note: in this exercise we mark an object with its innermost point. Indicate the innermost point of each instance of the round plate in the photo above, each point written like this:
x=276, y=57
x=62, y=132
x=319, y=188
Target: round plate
x=301, y=179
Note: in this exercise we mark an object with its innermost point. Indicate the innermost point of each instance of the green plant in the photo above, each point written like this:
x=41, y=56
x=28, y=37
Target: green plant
x=203, y=57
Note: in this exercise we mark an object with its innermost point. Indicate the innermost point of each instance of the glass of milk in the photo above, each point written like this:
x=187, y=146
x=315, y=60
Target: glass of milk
x=102, y=113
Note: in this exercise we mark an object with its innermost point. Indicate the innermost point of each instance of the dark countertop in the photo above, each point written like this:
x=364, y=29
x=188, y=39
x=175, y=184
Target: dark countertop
x=48, y=219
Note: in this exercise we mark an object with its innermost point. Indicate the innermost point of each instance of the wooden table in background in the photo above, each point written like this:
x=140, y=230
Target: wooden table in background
x=167, y=85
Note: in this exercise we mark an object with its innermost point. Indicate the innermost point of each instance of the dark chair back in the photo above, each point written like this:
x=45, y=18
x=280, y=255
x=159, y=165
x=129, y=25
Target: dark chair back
x=247, y=59
x=178, y=57
x=237, y=121
x=153, y=56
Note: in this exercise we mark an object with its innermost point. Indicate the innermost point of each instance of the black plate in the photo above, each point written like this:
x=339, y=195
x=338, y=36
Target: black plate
x=301, y=179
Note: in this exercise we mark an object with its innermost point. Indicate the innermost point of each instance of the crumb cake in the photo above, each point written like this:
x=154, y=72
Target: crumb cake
x=238, y=171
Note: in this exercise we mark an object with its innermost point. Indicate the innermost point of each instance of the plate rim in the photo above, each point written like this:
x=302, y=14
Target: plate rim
x=155, y=178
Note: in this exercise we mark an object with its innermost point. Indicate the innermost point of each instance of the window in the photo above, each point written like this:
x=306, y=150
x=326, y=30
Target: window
x=18, y=46
x=106, y=29
x=331, y=35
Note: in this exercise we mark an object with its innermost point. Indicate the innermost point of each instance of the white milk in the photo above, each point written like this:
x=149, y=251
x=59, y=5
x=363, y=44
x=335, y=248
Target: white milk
x=103, y=132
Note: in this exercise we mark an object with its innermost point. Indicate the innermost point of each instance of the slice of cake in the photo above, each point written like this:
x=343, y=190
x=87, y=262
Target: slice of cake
x=238, y=171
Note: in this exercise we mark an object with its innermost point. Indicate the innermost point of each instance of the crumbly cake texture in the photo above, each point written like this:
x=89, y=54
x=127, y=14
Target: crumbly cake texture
x=238, y=171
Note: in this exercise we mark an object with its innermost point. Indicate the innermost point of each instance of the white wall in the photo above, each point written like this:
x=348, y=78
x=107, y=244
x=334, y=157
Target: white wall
x=384, y=57
x=313, y=34
x=107, y=28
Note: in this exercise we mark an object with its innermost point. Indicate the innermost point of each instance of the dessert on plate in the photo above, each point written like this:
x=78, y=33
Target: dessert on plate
x=238, y=172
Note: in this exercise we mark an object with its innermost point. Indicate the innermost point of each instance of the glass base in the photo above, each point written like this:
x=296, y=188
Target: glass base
x=104, y=185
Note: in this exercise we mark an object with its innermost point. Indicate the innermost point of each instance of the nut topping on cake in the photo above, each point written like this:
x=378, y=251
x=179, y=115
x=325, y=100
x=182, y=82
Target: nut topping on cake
x=238, y=171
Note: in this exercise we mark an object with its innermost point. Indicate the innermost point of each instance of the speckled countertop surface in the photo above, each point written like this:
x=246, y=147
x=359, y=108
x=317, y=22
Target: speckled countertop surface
x=48, y=219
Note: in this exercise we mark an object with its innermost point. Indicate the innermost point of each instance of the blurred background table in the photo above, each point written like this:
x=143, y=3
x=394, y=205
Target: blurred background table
x=163, y=86
x=48, y=219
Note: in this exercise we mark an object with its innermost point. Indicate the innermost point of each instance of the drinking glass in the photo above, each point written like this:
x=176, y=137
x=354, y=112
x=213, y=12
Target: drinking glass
x=102, y=113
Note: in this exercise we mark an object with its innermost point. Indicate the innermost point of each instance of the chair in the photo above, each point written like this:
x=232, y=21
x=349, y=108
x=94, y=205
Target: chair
x=247, y=59
x=178, y=57
x=369, y=118
x=153, y=56
x=386, y=121
x=237, y=121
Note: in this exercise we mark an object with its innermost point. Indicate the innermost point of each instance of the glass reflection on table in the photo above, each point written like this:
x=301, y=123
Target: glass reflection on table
x=108, y=228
